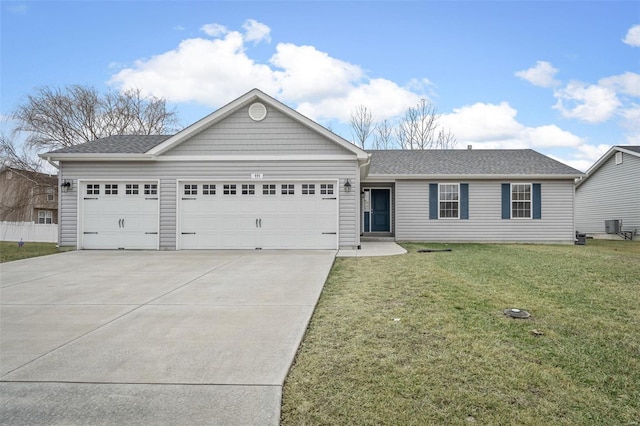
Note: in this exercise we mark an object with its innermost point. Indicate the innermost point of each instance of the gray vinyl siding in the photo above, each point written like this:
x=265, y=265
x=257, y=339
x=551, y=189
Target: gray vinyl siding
x=611, y=192
x=169, y=172
x=485, y=221
x=239, y=134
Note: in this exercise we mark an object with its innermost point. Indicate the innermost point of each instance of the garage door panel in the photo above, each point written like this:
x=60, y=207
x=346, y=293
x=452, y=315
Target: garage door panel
x=120, y=215
x=275, y=215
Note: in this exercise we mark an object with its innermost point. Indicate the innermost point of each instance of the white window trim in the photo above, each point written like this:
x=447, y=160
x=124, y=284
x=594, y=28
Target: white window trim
x=530, y=201
x=458, y=201
x=46, y=214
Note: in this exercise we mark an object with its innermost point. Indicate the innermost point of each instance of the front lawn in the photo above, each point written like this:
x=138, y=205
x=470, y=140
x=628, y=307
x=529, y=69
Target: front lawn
x=422, y=339
x=10, y=251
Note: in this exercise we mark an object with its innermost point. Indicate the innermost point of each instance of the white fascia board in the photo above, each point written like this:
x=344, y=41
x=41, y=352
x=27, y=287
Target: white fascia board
x=96, y=157
x=223, y=158
x=395, y=178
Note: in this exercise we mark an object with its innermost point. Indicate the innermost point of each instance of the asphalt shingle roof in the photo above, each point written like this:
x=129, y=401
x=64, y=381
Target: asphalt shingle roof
x=121, y=144
x=635, y=148
x=466, y=162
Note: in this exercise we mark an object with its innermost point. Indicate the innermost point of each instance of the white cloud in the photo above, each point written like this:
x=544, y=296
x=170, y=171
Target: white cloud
x=633, y=36
x=491, y=126
x=256, y=32
x=631, y=121
x=383, y=98
x=482, y=122
x=213, y=71
x=209, y=72
x=540, y=75
x=626, y=84
x=214, y=30
x=305, y=73
x=590, y=103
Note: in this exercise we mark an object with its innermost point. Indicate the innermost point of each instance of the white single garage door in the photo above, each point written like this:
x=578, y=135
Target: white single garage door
x=249, y=215
x=119, y=215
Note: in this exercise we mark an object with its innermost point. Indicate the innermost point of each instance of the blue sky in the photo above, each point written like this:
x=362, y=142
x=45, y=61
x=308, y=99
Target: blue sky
x=561, y=77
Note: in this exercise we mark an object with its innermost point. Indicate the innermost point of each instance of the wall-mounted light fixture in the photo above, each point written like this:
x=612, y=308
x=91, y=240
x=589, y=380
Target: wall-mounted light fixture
x=65, y=186
x=347, y=186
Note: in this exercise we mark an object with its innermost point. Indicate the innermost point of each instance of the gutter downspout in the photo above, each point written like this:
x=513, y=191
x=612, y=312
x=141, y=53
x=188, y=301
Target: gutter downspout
x=52, y=163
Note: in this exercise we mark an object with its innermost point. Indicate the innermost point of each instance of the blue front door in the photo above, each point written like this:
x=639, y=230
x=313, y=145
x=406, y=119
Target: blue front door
x=380, y=210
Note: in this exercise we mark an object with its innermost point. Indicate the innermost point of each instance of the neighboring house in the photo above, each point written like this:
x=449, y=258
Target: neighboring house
x=610, y=191
x=27, y=196
x=257, y=174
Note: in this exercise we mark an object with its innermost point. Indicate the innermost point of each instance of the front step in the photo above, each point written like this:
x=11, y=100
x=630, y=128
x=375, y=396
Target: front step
x=377, y=238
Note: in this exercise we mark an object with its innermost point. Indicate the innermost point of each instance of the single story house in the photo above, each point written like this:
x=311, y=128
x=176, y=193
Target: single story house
x=610, y=191
x=257, y=174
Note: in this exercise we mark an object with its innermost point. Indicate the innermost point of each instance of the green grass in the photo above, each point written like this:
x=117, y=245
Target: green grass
x=422, y=339
x=9, y=251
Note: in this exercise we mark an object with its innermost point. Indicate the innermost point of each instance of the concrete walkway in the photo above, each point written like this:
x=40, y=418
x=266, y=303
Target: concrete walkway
x=374, y=248
x=190, y=337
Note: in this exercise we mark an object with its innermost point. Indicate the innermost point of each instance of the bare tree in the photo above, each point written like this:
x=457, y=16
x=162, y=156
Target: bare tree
x=57, y=118
x=361, y=124
x=18, y=158
x=383, y=135
x=420, y=129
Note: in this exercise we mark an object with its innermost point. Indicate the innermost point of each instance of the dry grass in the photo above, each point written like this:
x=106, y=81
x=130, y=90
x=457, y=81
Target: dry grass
x=421, y=339
x=10, y=251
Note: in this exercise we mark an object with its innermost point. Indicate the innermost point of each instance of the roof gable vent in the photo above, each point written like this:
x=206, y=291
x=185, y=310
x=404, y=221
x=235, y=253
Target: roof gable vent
x=257, y=111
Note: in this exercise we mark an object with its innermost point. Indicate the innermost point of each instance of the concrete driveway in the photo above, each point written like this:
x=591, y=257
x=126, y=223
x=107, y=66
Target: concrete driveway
x=190, y=337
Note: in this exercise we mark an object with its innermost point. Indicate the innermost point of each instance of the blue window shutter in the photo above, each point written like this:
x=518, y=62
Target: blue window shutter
x=537, y=200
x=433, y=201
x=464, y=201
x=506, y=201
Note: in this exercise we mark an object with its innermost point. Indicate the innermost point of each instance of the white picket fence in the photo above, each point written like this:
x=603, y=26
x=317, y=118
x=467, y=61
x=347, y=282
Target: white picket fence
x=28, y=232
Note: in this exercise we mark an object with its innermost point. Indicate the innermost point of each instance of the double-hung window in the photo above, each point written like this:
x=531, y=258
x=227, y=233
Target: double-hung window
x=521, y=201
x=45, y=216
x=448, y=201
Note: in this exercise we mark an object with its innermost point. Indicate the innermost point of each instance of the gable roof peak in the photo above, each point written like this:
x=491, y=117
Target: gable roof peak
x=233, y=106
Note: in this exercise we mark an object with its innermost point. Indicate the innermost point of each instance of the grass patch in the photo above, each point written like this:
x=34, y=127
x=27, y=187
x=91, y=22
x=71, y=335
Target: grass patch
x=421, y=338
x=10, y=251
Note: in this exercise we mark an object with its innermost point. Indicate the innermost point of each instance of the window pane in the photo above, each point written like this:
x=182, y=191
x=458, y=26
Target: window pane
x=449, y=200
x=521, y=200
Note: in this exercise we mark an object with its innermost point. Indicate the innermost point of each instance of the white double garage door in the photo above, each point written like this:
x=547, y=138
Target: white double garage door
x=212, y=215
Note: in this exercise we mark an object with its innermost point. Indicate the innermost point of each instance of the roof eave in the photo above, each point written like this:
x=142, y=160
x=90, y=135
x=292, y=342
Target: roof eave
x=395, y=177
x=95, y=157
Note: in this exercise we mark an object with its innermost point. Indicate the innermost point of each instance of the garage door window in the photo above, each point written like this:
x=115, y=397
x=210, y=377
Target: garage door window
x=93, y=189
x=308, y=189
x=288, y=189
x=326, y=189
x=191, y=190
x=229, y=189
x=208, y=189
x=131, y=189
x=151, y=189
x=248, y=189
x=111, y=189
x=268, y=190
